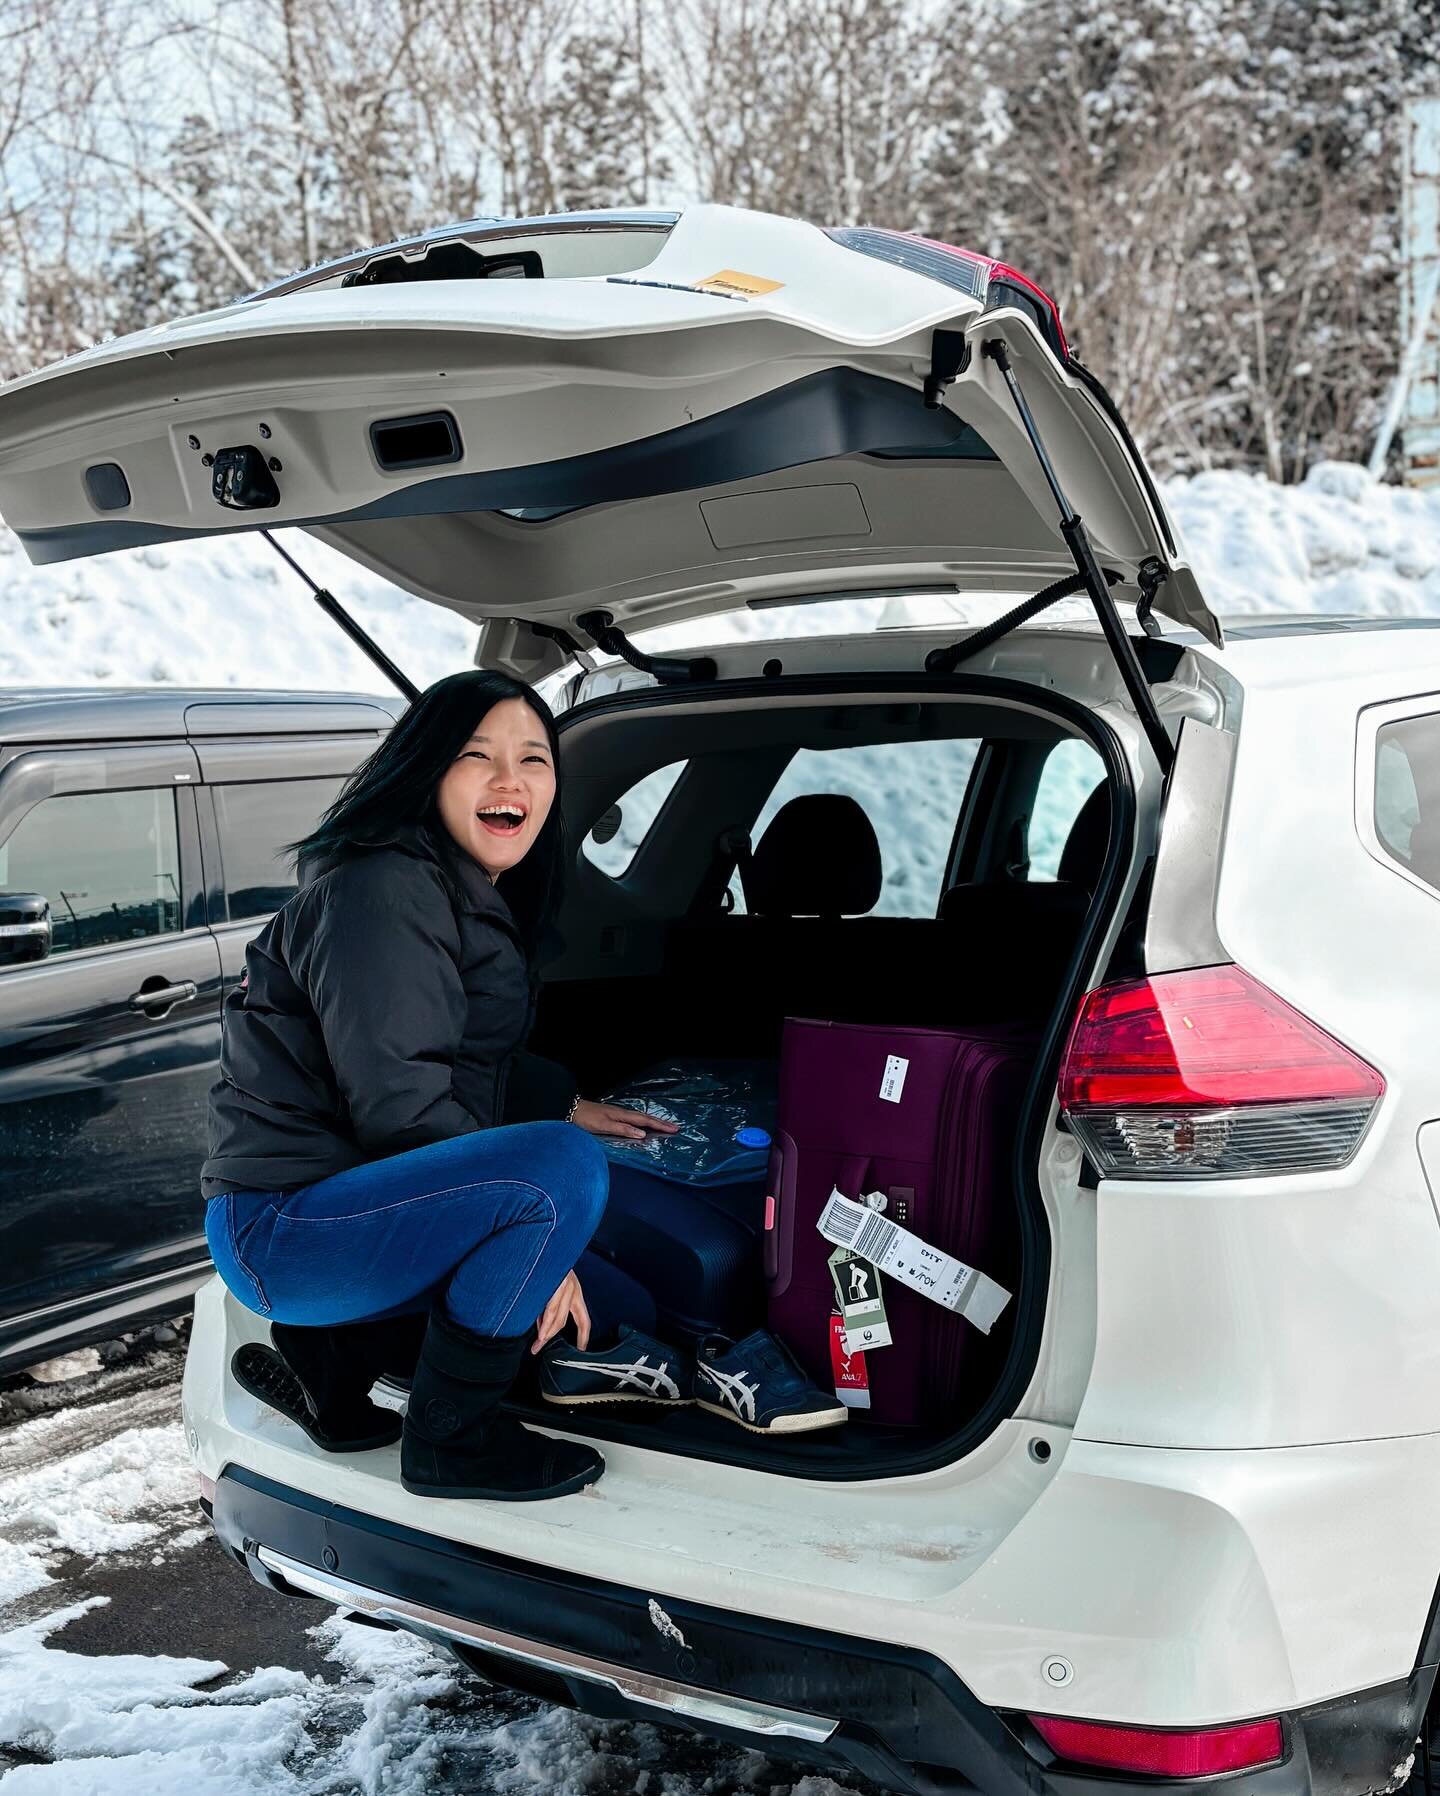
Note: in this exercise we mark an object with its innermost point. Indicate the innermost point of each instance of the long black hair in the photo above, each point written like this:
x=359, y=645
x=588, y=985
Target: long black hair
x=395, y=789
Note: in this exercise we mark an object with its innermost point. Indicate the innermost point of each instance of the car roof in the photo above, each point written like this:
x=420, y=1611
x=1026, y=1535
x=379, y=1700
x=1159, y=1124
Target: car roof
x=112, y=713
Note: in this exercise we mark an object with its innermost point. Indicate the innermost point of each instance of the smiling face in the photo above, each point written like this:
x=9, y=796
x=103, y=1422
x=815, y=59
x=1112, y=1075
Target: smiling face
x=497, y=793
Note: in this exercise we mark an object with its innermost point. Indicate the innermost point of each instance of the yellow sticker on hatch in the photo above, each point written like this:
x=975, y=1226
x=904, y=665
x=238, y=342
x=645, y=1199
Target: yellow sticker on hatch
x=743, y=286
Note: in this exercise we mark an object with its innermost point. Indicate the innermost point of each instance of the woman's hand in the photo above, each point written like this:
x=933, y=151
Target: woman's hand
x=619, y=1121
x=567, y=1305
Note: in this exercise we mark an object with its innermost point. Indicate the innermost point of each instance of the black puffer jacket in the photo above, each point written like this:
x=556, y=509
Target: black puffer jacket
x=385, y=1007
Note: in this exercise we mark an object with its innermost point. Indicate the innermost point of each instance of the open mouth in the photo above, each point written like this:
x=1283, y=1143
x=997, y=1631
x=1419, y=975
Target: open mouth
x=502, y=820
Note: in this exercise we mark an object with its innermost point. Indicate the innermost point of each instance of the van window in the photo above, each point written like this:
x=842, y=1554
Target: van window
x=109, y=863
x=1071, y=773
x=615, y=838
x=910, y=791
x=255, y=823
x=1407, y=794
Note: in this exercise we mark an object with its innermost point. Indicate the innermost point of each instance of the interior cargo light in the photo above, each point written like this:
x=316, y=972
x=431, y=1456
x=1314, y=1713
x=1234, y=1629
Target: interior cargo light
x=1163, y=1752
x=1208, y=1073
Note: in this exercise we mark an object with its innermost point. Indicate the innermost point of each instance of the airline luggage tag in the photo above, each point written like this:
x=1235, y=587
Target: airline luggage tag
x=852, y=1380
x=861, y=1302
x=903, y=1256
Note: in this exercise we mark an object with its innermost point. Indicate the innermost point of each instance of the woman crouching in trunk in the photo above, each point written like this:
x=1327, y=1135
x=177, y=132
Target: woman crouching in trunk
x=356, y=1172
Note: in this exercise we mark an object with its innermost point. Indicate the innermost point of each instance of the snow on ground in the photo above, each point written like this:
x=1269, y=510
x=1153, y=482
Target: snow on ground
x=82, y=1493
x=112, y=1496
x=228, y=612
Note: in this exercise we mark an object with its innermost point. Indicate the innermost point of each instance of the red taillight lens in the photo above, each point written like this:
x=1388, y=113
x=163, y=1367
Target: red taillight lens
x=1163, y=1752
x=1209, y=1072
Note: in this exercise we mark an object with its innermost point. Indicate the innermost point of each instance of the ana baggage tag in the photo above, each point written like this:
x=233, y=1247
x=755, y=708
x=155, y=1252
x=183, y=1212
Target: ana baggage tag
x=936, y=1275
x=860, y=1299
x=852, y=1380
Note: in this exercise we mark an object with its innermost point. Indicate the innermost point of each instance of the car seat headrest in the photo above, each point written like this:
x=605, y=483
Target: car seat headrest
x=818, y=858
x=1084, y=853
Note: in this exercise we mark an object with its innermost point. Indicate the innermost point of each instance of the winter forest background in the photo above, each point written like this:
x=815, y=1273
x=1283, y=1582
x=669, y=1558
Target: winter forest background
x=1210, y=188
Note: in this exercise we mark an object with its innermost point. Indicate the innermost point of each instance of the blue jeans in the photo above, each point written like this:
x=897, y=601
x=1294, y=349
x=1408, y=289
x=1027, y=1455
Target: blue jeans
x=488, y=1223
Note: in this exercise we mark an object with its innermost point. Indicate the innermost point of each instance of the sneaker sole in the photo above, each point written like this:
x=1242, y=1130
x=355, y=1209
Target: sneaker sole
x=482, y=1494
x=261, y=1371
x=810, y=1424
x=604, y=1397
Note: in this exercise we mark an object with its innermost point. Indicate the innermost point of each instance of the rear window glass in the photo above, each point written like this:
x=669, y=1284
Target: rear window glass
x=256, y=821
x=910, y=791
x=616, y=835
x=1071, y=773
x=1407, y=794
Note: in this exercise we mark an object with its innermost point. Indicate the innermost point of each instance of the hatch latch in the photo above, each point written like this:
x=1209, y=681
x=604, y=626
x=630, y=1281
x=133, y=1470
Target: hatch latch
x=241, y=480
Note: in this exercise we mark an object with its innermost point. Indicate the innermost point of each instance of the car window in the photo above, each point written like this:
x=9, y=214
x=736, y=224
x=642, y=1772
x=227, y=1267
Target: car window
x=107, y=862
x=615, y=838
x=256, y=821
x=910, y=791
x=1071, y=773
x=1407, y=794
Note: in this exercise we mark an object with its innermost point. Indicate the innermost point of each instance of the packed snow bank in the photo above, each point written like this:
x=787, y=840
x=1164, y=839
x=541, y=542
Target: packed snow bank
x=1338, y=543
x=228, y=612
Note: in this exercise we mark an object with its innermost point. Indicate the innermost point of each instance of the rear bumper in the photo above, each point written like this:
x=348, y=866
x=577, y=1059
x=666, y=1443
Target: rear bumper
x=895, y=1714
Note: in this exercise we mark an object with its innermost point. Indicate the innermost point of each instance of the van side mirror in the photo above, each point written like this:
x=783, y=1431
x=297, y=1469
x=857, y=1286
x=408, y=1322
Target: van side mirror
x=25, y=928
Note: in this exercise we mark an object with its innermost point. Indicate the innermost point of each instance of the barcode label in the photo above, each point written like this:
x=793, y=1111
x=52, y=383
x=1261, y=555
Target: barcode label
x=874, y=1237
x=841, y=1221
x=892, y=1083
x=903, y=1256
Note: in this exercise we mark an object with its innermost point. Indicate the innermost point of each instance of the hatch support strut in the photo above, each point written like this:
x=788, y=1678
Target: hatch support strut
x=1088, y=573
x=337, y=613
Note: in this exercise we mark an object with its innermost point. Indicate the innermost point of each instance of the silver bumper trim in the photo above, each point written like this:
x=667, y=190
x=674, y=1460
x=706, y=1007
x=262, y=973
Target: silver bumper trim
x=651, y=1692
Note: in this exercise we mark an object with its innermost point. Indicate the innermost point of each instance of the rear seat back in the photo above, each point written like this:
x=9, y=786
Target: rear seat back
x=808, y=946
x=1033, y=926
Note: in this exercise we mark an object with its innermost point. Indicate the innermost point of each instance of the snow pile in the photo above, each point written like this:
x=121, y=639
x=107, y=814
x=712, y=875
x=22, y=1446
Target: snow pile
x=135, y=1725
x=112, y=1497
x=224, y=612
x=228, y=612
x=1337, y=543
x=400, y=1723
x=131, y=1723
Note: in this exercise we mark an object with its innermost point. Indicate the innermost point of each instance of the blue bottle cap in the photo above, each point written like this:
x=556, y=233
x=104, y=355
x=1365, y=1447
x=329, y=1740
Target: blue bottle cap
x=752, y=1138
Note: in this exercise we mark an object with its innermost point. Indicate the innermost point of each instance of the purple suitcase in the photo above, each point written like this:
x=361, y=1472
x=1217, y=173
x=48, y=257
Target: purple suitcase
x=941, y=1155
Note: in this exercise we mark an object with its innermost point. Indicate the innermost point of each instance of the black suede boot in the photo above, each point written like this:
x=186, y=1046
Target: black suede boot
x=321, y=1377
x=457, y=1443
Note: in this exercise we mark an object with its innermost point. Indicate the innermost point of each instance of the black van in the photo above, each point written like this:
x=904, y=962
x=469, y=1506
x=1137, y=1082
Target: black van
x=140, y=850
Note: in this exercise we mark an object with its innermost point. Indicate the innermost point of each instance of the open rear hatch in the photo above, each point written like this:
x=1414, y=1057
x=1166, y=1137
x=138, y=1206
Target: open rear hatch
x=762, y=409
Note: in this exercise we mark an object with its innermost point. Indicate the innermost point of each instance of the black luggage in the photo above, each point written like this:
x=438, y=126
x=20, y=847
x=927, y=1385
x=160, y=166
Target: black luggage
x=686, y=1213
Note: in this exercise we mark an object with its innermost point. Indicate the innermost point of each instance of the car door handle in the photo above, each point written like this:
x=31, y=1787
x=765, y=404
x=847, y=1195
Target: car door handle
x=156, y=998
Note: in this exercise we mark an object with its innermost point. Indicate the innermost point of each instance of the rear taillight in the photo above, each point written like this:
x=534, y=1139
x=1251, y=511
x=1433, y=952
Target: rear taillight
x=1207, y=1073
x=996, y=283
x=1163, y=1752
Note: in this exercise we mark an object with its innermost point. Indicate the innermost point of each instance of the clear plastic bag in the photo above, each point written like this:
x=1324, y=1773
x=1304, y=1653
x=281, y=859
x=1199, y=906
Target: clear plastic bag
x=726, y=1113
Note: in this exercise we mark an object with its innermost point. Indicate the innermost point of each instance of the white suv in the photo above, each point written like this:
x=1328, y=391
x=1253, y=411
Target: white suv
x=1184, y=1528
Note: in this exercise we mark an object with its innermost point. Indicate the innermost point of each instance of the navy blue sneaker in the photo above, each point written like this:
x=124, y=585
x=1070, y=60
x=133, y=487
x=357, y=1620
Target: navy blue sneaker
x=635, y=1368
x=758, y=1384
